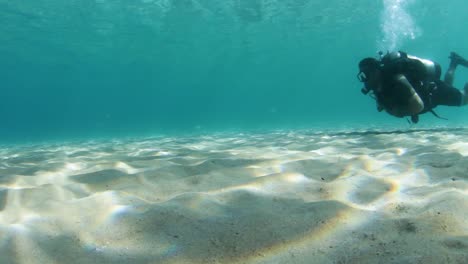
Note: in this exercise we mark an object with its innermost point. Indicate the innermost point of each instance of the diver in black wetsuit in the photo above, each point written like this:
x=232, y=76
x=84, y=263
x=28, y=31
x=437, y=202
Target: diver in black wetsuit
x=405, y=85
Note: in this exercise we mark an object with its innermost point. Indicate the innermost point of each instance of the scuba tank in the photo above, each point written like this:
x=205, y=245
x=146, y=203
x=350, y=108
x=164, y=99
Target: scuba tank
x=400, y=61
x=433, y=70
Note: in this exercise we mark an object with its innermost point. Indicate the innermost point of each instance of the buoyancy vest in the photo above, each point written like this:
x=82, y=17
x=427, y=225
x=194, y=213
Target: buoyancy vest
x=421, y=73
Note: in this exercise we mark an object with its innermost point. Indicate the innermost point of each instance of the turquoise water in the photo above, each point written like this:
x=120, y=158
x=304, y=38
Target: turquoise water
x=98, y=68
x=224, y=131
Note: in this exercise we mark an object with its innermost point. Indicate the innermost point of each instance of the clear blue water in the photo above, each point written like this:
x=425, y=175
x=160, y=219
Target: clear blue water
x=94, y=68
x=122, y=133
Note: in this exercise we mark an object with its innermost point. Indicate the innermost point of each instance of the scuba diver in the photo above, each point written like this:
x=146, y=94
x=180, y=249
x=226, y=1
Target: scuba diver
x=407, y=86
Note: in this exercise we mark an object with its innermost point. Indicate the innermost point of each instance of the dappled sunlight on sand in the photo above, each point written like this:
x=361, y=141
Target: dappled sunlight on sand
x=280, y=197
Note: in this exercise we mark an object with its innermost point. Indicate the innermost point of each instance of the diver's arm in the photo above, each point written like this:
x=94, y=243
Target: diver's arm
x=414, y=103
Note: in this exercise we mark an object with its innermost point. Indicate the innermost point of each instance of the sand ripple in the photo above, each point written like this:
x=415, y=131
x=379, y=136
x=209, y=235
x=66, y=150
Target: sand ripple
x=282, y=197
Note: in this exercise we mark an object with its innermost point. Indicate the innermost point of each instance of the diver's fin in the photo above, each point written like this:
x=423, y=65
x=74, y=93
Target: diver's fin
x=459, y=60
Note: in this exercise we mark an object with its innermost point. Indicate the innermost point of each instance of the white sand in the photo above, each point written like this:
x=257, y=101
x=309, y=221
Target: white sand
x=239, y=198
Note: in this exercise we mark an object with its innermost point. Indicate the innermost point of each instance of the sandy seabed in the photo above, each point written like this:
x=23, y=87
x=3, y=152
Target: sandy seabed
x=279, y=197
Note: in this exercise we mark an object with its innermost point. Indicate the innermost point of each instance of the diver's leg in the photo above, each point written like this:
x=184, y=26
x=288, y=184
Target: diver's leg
x=448, y=95
x=455, y=60
x=450, y=74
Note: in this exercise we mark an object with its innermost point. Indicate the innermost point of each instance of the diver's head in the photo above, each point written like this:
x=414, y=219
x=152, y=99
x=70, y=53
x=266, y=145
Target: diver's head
x=368, y=69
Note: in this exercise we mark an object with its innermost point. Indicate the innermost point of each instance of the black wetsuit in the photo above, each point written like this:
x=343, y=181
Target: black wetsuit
x=432, y=91
x=445, y=94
